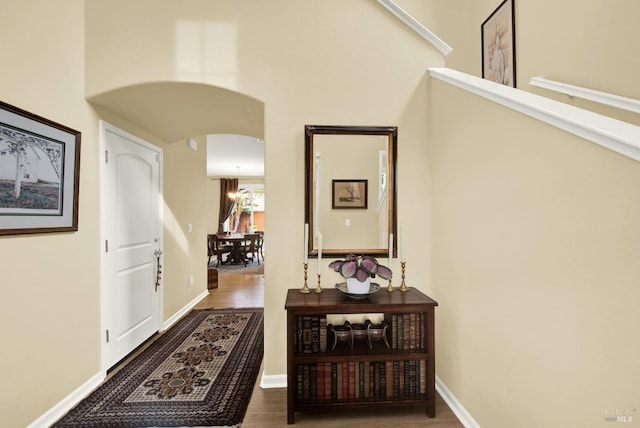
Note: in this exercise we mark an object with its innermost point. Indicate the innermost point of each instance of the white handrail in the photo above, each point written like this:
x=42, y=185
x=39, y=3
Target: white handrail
x=412, y=23
x=616, y=135
x=617, y=101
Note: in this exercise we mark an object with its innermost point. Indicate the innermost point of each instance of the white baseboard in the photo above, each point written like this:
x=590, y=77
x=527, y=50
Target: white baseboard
x=172, y=320
x=273, y=381
x=456, y=407
x=60, y=409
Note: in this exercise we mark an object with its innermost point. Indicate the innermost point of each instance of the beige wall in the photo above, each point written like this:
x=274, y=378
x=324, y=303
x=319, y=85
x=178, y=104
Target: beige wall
x=535, y=246
x=49, y=283
x=185, y=191
x=535, y=231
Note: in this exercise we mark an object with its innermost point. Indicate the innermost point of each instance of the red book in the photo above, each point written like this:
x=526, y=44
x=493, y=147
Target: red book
x=352, y=380
x=327, y=381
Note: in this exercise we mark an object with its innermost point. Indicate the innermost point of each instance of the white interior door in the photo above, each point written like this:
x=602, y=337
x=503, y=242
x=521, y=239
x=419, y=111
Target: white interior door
x=131, y=200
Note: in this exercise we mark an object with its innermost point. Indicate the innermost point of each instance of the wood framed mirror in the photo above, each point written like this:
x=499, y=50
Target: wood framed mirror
x=350, y=189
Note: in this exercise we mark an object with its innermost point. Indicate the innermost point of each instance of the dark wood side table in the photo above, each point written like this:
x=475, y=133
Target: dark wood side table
x=402, y=374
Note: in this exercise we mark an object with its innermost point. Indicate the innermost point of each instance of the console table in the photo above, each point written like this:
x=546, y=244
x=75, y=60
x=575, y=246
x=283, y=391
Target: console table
x=398, y=371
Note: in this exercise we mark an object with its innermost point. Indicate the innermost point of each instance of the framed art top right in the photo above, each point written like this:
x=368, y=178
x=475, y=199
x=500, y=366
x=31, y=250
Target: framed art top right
x=499, y=45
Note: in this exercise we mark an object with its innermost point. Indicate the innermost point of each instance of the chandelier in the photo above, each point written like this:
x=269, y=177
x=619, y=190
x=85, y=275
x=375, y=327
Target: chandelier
x=237, y=196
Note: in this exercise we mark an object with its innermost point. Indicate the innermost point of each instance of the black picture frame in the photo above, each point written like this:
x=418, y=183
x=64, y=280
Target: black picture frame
x=498, y=34
x=349, y=194
x=39, y=174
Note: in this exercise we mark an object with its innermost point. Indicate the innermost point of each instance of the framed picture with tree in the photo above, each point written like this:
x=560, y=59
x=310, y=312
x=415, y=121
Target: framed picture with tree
x=39, y=174
x=349, y=194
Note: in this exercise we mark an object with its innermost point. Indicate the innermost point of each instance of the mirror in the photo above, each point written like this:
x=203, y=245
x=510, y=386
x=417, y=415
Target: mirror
x=350, y=189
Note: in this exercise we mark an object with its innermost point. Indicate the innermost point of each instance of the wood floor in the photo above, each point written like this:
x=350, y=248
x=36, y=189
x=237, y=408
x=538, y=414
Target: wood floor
x=268, y=407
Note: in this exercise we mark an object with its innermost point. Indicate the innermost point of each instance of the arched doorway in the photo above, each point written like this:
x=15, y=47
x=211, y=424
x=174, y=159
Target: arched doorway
x=175, y=112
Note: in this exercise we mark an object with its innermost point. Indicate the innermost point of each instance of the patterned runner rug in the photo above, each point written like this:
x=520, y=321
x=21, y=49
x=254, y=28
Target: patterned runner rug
x=200, y=372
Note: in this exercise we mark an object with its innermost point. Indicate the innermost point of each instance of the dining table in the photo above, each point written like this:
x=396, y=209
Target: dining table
x=236, y=255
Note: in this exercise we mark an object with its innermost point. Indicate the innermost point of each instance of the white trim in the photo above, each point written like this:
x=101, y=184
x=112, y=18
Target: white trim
x=456, y=407
x=273, y=381
x=616, y=135
x=617, y=101
x=186, y=308
x=102, y=130
x=412, y=23
x=68, y=403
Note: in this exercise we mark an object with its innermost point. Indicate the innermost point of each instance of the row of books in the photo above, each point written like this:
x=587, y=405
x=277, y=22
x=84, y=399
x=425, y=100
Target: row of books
x=406, y=329
x=311, y=334
x=360, y=379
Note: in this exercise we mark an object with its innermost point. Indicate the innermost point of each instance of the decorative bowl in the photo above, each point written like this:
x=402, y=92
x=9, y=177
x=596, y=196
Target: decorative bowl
x=377, y=332
x=360, y=331
x=341, y=333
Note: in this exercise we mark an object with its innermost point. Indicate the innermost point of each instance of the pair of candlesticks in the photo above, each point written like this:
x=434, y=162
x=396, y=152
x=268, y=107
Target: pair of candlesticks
x=305, y=289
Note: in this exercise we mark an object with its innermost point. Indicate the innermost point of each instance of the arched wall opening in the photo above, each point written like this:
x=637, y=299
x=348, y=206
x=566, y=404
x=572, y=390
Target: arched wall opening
x=171, y=114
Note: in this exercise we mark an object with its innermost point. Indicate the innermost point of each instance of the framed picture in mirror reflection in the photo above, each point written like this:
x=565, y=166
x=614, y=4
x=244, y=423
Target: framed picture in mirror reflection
x=349, y=194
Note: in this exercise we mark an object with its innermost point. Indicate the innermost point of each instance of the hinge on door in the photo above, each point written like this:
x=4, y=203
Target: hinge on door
x=107, y=335
x=106, y=156
x=106, y=246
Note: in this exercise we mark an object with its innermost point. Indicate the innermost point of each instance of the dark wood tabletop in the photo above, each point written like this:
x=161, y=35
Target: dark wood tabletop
x=330, y=297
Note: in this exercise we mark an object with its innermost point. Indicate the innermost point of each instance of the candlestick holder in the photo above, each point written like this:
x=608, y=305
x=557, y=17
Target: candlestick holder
x=403, y=286
x=305, y=288
x=390, y=287
x=318, y=288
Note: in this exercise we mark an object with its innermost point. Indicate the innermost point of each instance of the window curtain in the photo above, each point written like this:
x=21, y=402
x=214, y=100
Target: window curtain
x=227, y=185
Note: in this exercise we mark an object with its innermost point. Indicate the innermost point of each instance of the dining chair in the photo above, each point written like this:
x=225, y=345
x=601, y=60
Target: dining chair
x=217, y=249
x=250, y=247
x=260, y=244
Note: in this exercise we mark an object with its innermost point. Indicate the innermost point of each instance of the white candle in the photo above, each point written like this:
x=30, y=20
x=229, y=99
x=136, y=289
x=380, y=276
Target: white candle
x=306, y=242
x=401, y=243
x=390, y=247
x=319, y=252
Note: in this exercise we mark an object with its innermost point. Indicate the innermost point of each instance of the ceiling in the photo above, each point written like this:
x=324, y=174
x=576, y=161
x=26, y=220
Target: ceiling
x=232, y=155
